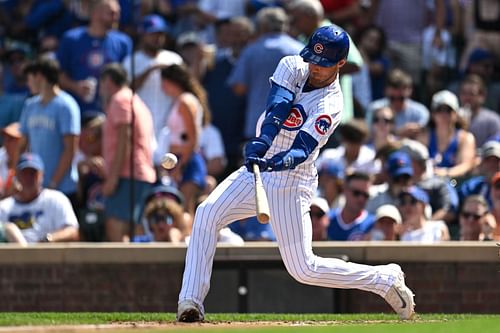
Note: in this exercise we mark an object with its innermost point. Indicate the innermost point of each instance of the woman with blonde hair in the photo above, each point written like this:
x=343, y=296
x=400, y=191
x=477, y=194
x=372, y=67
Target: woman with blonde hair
x=185, y=123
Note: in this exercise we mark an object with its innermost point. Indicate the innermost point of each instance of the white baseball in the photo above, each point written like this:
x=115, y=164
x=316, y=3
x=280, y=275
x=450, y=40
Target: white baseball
x=169, y=161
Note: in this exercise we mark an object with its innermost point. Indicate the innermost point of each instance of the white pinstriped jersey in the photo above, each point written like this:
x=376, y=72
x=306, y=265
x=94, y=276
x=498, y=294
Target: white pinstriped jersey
x=317, y=112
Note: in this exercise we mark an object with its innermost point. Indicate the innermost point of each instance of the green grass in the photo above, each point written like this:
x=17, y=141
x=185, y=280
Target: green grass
x=301, y=323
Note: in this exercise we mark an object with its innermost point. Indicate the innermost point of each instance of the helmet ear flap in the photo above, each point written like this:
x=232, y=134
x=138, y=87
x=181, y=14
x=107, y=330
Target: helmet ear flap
x=327, y=46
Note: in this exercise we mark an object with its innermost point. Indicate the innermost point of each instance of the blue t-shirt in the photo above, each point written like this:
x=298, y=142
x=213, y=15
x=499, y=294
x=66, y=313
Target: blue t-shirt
x=251, y=230
x=45, y=126
x=338, y=230
x=82, y=56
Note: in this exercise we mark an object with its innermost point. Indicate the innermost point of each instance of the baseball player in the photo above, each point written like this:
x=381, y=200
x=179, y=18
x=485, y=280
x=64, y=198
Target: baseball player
x=303, y=108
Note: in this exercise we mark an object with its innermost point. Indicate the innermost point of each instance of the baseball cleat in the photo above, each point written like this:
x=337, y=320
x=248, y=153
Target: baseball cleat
x=400, y=297
x=189, y=312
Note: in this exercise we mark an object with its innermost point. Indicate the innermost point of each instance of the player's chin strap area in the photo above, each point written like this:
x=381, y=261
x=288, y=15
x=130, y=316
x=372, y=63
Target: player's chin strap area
x=301, y=148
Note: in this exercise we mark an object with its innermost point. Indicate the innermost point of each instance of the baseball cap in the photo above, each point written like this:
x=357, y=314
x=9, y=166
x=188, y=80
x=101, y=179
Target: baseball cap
x=153, y=23
x=389, y=211
x=478, y=55
x=490, y=148
x=30, y=160
x=321, y=203
x=331, y=169
x=166, y=191
x=445, y=97
x=12, y=130
x=399, y=163
x=417, y=193
x=415, y=149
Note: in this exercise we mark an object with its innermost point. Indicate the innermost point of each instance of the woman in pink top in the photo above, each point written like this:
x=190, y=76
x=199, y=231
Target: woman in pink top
x=185, y=124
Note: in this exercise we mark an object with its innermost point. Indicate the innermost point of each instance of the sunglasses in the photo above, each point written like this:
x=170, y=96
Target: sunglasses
x=408, y=201
x=358, y=193
x=160, y=218
x=469, y=215
x=396, y=98
x=443, y=108
x=377, y=120
x=401, y=178
x=318, y=215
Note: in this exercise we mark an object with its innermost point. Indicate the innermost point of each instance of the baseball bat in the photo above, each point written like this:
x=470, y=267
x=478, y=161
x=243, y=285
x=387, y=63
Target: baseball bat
x=261, y=203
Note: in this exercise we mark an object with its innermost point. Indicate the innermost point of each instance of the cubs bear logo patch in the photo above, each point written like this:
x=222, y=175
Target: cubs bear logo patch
x=323, y=123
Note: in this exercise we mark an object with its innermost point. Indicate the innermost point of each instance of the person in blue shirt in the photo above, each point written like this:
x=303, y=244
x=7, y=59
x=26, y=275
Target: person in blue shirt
x=50, y=125
x=83, y=52
x=352, y=222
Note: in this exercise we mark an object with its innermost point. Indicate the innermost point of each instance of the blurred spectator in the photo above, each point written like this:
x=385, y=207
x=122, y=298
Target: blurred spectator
x=10, y=233
x=489, y=165
x=43, y=215
x=382, y=129
x=398, y=167
x=84, y=51
x=252, y=230
x=122, y=107
x=185, y=122
x=305, y=17
x=443, y=198
x=144, y=70
x=91, y=176
x=387, y=224
x=475, y=221
x=372, y=44
x=483, y=123
x=320, y=211
x=50, y=124
x=344, y=13
x=353, y=155
x=197, y=54
x=330, y=183
x=163, y=216
x=403, y=24
x=451, y=147
x=416, y=227
x=16, y=56
x=264, y=53
x=495, y=198
x=410, y=116
x=482, y=63
x=352, y=222
x=9, y=154
x=212, y=149
x=482, y=19
x=10, y=104
x=221, y=98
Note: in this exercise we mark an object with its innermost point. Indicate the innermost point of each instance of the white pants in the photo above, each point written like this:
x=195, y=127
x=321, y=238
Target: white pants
x=289, y=202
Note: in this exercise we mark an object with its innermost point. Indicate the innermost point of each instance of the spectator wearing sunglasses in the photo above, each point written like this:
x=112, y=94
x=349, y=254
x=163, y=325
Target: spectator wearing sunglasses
x=410, y=116
x=416, y=227
x=495, y=198
x=319, y=218
x=398, y=171
x=352, y=222
x=475, y=221
x=382, y=128
x=451, y=147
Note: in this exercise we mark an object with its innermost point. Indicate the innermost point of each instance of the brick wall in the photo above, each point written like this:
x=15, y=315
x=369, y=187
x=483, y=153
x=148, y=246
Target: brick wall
x=147, y=278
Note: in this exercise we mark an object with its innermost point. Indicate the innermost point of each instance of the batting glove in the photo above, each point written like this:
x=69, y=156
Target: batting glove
x=257, y=147
x=261, y=162
x=281, y=161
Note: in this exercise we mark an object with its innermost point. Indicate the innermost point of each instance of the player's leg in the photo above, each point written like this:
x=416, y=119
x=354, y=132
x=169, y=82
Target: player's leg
x=233, y=199
x=292, y=226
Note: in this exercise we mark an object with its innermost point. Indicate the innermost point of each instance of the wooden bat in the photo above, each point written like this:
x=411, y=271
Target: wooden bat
x=261, y=202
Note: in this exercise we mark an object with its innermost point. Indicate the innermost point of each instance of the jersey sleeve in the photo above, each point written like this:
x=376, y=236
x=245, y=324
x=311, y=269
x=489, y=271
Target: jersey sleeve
x=288, y=74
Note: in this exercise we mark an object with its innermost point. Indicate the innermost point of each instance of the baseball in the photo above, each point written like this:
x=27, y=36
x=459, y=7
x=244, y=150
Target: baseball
x=169, y=161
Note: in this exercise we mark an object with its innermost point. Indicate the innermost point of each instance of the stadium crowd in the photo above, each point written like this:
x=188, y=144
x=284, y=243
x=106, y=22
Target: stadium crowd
x=94, y=92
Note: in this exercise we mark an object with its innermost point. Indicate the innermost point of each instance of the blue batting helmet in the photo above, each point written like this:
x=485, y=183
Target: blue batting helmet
x=326, y=47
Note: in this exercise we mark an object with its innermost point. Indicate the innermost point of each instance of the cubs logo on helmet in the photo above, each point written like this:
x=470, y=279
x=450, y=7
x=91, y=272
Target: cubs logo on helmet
x=323, y=124
x=295, y=119
x=327, y=46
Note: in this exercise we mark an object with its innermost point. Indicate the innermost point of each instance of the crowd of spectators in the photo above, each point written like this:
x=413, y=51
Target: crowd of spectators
x=94, y=92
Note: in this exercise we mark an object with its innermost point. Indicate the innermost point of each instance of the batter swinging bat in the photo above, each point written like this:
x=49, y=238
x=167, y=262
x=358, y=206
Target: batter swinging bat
x=261, y=202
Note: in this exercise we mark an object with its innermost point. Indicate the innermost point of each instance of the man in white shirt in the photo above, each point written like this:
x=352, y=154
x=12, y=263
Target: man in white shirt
x=43, y=215
x=147, y=64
